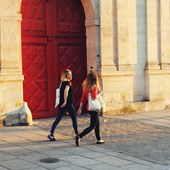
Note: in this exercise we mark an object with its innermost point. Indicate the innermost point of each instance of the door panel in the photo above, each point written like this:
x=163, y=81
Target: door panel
x=70, y=18
x=36, y=76
x=70, y=54
x=33, y=17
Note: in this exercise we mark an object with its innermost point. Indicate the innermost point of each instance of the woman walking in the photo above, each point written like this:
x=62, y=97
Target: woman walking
x=90, y=85
x=66, y=103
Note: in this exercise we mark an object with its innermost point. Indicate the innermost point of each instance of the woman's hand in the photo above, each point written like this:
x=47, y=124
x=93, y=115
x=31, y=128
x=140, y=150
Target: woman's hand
x=79, y=111
x=63, y=105
x=56, y=105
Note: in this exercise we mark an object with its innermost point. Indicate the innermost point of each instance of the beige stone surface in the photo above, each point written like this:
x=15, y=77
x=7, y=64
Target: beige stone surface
x=165, y=33
x=132, y=61
x=11, y=90
x=20, y=116
x=92, y=23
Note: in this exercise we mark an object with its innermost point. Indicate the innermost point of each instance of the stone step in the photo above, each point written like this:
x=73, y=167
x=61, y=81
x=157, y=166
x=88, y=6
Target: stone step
x=136, y=108
x=2, y=121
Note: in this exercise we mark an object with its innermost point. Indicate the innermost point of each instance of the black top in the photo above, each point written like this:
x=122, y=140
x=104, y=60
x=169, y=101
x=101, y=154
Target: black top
x=70, y=93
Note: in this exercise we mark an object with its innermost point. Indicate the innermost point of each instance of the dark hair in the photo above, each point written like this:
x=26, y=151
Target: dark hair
x=92, y=78
x=90, y=81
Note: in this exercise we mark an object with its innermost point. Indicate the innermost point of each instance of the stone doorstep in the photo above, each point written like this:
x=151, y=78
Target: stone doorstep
x=2, y=121
x=136, y=108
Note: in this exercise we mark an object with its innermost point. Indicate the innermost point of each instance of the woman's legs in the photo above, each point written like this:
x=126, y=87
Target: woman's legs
x=94, y=119
x=97, y=129
x=72, y=112
x=57, y=120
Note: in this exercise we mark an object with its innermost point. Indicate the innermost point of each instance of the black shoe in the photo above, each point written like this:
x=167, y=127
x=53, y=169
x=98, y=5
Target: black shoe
x=100, y=141
x=77, y=140
x=51, y=137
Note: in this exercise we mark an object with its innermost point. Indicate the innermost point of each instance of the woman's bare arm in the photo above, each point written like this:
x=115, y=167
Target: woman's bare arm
x=65, y=95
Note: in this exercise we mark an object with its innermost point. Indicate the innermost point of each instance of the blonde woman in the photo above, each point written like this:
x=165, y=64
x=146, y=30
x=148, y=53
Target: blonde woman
x=66, y=103
x=90, y=85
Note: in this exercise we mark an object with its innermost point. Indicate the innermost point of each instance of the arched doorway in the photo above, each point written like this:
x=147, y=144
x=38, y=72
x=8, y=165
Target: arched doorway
x=53, y=38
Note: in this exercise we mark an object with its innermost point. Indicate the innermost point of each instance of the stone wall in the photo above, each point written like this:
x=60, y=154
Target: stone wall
x=127, y=43
x=118, y=51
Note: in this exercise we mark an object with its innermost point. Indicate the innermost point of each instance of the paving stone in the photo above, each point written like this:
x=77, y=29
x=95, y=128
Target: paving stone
x=111, y=160
x=79, y=160
x=2, y=168
x=36, y=167
x=5, y=156
x=73, y=167
x=104, y=166
x=16, y=164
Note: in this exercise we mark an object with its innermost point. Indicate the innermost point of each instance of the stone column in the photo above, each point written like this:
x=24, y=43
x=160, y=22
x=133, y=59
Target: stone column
x=152, y=35
x=11, y=90
x=165, y=33
x=126, y=32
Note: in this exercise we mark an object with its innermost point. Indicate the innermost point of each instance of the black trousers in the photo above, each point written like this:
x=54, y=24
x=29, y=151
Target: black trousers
x=94, y=124
x=72, y=112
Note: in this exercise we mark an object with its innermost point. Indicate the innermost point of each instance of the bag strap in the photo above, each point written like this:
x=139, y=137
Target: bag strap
x=99, y=94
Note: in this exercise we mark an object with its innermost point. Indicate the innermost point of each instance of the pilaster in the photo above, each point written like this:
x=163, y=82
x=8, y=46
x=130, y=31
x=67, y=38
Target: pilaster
x=152, y=35
x=165, y=33
x=126, y=32
x=107, y=37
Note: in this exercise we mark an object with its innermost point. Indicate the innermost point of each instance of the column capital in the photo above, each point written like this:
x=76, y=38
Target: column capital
x=152, y=66
x=92, y=22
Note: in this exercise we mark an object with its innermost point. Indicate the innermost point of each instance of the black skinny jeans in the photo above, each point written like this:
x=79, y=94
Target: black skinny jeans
x=72, y=113
x=94, y=124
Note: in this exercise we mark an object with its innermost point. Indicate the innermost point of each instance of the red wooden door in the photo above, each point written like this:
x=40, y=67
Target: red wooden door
x=53, y=39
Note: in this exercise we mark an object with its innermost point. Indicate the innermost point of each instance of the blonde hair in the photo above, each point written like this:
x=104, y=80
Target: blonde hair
x=64, y=74
x=90, y=81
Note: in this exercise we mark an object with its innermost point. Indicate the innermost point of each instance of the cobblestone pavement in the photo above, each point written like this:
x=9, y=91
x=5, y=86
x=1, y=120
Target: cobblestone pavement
x=133, y=137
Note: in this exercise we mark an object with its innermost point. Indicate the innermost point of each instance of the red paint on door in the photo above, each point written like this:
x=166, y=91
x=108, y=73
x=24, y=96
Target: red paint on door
x=53, y=39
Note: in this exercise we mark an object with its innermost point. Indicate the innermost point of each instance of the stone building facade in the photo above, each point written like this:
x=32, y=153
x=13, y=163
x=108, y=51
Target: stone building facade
x=126, y=42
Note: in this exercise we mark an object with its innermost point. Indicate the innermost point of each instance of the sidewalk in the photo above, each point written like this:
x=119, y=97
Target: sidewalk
x=138, y=141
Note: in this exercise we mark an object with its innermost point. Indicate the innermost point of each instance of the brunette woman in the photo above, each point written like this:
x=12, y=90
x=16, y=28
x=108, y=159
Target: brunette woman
x=90, y=85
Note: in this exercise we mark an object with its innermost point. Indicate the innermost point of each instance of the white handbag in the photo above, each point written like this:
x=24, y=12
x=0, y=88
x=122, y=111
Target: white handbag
x=57, y=98
x=96, y=104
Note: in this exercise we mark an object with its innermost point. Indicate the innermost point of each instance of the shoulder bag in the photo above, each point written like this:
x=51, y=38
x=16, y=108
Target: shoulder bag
x=57, y=99
x=95, y=104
